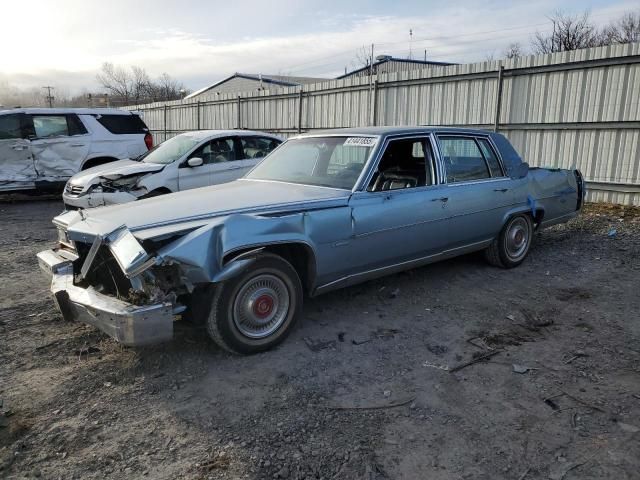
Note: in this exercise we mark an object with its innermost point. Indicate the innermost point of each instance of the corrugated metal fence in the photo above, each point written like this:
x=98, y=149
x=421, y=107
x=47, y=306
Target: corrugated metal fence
x=579, y=108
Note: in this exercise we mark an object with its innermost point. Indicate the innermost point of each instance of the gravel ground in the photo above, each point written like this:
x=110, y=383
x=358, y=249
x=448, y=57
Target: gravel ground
x=363, y=389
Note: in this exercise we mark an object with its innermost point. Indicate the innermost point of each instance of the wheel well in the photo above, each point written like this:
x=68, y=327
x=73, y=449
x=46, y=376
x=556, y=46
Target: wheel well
x=539, y=215
x=159, y=190
x=94, y=162
x=299, y=255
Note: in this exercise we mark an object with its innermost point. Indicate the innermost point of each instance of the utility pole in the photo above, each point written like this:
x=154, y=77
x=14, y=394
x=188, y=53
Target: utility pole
x=49, y=97
x=370, y=83
x=410, y=44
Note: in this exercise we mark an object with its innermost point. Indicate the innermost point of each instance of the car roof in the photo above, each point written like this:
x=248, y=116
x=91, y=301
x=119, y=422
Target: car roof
x=202, y=134
x=79, y=111
x=391, y=130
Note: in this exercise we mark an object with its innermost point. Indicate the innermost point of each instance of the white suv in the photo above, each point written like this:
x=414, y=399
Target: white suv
x=42, y=147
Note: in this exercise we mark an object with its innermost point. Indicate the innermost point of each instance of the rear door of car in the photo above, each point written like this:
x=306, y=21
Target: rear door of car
x=478, y=192
x=16, y=164
x=253, y=149
x=59, y=145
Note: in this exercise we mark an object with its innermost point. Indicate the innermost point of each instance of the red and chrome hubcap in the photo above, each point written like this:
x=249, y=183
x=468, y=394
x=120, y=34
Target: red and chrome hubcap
x=261, y=306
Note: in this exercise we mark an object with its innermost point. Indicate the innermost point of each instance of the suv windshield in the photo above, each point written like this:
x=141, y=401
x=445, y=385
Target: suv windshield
x=170, y=150
x=334, y=162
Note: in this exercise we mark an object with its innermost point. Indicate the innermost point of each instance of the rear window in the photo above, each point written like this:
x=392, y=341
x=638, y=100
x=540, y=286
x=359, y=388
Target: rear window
x=258, y=147
x=122, y=124
x=56, y=126
x=463, y=160
x=10, y=126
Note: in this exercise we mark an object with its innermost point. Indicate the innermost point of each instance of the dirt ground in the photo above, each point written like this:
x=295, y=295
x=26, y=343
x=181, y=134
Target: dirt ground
x=363, y=389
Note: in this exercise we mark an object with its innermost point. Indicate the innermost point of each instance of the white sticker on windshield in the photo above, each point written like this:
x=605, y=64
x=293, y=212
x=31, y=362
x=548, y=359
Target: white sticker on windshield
x=360, y=142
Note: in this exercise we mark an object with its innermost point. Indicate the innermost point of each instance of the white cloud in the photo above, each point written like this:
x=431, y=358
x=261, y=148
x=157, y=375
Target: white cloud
x=67, y=45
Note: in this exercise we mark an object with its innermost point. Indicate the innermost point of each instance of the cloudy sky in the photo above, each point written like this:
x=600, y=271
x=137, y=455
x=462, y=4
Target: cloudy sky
x=64, y=43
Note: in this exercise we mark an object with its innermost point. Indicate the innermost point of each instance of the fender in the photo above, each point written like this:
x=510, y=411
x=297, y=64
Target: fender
x=202, y=252
x=532, y=207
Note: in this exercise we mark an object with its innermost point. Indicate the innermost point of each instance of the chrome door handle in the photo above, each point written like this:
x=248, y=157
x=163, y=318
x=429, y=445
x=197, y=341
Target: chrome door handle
x=18, y=147
x=77, y=144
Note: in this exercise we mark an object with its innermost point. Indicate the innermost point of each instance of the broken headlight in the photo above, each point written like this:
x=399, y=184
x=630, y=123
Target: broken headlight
x=120, y=184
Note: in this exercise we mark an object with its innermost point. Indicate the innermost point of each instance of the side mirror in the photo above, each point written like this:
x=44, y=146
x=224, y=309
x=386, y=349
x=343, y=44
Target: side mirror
x=195, y=162
x=521, y=170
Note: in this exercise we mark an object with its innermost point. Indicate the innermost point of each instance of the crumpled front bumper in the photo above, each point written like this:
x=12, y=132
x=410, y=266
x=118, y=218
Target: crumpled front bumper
x=129, y=324
x=97, y=199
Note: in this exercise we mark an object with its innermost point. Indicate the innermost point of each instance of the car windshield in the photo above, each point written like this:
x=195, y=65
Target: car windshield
x=334, y=161
x=170, y=150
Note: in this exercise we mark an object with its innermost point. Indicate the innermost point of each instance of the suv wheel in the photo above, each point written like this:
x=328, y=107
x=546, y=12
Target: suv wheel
x=256, y=310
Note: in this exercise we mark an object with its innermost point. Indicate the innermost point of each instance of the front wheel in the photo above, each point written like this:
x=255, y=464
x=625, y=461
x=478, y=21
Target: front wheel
x=511, y=247
x=256, y=310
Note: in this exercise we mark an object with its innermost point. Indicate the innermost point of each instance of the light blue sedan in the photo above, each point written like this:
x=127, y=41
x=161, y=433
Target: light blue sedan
x=321, y=212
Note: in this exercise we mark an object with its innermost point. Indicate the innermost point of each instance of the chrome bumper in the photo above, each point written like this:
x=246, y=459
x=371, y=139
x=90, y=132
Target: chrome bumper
x=129, y=324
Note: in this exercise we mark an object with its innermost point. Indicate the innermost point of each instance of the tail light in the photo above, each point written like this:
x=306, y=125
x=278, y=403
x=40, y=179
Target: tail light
x=148, y=140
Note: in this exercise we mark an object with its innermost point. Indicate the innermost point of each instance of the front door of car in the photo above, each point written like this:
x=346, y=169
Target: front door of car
x=16, y=164
x=478, y=191
x=401, y=215
x=196, y=176
x=59, y=146
x=228, y=161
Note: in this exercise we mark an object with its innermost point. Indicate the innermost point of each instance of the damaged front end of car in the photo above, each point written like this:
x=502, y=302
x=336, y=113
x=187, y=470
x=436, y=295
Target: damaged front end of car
x=130, y=289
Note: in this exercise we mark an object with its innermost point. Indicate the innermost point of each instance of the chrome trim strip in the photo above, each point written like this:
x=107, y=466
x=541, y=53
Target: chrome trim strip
x=475, y=182
x=406, y=265
x=292, y=183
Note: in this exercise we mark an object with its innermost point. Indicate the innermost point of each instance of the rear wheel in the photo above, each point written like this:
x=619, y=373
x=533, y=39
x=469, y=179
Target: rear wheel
x=511, y=247
x=256, y=310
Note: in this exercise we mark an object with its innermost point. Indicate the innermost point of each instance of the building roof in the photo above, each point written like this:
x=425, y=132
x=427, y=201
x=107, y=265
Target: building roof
x=394, y=59
x=63, y=110
x=278, y=80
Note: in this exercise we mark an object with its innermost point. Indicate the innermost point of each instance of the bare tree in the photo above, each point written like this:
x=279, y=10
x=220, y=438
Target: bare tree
x=625, y=30
x=135, y=86
x=167, y=88
x=362, y=58
x=117, y=81
x=570, y=32
x=514, y=50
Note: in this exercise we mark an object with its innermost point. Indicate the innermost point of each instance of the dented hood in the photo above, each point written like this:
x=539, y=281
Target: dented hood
x=190, y=209
x=113, y=170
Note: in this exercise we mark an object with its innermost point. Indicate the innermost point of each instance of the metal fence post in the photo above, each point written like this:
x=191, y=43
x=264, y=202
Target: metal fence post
x=496, y=122
x=165, y=122
x=375, y=103
x=198, y=114
x=300, y=111
x=239, y=114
